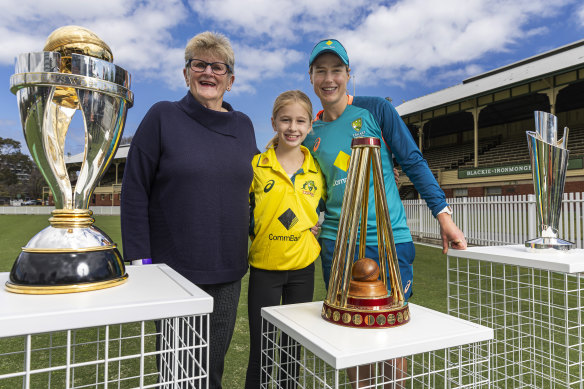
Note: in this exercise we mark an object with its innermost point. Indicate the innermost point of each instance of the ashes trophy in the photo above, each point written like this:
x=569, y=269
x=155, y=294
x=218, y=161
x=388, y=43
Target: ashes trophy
x=358, y=290
x=74, y=72
x=549, y=163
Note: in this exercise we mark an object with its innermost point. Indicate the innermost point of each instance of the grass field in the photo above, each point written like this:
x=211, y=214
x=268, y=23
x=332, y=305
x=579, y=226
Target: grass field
x=429, y=286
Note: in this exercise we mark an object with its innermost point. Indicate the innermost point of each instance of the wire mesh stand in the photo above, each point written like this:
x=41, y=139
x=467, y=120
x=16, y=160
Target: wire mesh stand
x=534, y=303
x=364, y=302
x=150, y=333
x=302, y=351
x=122, y=355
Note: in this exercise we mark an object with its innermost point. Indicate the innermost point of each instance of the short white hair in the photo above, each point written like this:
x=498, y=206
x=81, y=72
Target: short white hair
x=211, y=43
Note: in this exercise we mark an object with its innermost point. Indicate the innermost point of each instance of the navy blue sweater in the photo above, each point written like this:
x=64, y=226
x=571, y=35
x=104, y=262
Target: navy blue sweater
x=185, y=193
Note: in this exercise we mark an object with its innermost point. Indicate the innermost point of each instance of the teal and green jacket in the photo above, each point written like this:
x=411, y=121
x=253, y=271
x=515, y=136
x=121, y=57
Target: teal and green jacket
x=330, y=144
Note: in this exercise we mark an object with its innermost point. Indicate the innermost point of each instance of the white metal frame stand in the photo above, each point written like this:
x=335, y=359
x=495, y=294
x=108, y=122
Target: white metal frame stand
x=151, y=332
x=301, y=350
x=533, y=301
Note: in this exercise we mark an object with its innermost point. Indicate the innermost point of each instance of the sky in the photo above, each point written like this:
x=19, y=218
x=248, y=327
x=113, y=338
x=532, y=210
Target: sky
x=398, y=49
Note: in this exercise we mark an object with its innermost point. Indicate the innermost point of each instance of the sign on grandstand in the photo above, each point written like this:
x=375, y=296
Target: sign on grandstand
x=522, y=168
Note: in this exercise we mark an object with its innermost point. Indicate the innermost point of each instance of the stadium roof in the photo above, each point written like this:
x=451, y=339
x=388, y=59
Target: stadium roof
x=559, y=60
x=121, y=153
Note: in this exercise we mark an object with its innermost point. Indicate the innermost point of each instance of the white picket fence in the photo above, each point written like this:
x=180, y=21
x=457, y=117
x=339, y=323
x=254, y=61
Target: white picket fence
x=498, y=220
x=44, y=210
x=485, y=221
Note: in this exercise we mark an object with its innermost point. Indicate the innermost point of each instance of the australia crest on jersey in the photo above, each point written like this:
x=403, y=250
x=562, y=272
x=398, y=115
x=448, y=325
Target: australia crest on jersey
x=356, y=124
x=309, y=188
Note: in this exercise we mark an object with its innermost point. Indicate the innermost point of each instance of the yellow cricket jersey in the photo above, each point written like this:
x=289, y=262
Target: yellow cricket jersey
x=283, y=210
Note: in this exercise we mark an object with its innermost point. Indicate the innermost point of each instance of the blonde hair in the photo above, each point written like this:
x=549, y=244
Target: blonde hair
x=211, y=43
x=287, y=98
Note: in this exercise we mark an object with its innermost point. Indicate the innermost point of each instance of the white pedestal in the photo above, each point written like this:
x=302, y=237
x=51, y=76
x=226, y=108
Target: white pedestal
x=533, y=301
x=107, y=338
x=439, y=349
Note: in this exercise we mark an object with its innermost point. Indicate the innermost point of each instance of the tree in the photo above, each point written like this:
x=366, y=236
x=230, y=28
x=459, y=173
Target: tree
x=35, y=184
x=15, y=168
x=126, y=140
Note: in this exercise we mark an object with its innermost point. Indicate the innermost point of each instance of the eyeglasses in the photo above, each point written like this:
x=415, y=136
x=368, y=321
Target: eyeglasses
x=198, y=66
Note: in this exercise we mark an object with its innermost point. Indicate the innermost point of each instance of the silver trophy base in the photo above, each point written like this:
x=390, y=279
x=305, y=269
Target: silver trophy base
x=67, y=260
x=549, y=243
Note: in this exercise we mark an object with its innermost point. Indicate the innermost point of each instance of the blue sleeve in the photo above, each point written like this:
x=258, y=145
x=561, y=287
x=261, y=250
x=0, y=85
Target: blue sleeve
x=408, y=155
x=139, y=175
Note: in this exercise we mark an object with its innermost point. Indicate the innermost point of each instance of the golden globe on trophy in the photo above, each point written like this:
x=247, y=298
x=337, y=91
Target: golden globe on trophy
x=549, y=164
x=74, y=73
x=358, y=290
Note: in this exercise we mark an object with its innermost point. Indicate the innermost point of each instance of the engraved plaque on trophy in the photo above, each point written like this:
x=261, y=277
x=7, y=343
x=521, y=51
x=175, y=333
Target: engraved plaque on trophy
x=73, y=73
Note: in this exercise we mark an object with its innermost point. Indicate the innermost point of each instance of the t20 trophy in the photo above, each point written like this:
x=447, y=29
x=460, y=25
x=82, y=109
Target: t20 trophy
x=74, y=72
x=549, y=163
x=358, y=291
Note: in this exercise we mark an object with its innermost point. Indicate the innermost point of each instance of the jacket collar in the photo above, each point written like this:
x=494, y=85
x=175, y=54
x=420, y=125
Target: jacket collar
x=220, y=122
x=268, y=159
x=321, y=112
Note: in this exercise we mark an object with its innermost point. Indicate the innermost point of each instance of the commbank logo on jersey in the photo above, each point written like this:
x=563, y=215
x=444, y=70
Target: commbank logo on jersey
x=309, y=188
x=356, y=124
x=288, y=219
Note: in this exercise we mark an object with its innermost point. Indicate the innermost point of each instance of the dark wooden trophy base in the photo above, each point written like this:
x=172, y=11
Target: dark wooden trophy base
x=369, y=305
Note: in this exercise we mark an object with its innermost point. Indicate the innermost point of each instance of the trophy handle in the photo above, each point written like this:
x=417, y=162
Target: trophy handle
x=55, y=128
x=46, y=142
x=103, y=116
x=38, y=114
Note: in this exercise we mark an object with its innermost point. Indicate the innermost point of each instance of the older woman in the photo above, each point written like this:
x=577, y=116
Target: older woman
x=186, y=185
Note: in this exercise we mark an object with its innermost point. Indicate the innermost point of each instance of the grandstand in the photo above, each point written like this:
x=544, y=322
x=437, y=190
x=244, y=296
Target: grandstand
x=473, y=134
x=514, y=149
x=453, y=156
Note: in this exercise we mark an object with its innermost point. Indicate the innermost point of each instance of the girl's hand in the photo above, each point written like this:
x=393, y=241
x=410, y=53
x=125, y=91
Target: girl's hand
x=315, y=229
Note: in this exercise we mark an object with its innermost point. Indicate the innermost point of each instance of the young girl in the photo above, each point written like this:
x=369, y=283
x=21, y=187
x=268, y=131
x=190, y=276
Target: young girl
x=286, y=195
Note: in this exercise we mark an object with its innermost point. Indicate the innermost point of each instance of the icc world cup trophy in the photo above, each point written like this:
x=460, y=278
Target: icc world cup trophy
x=74, y=73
